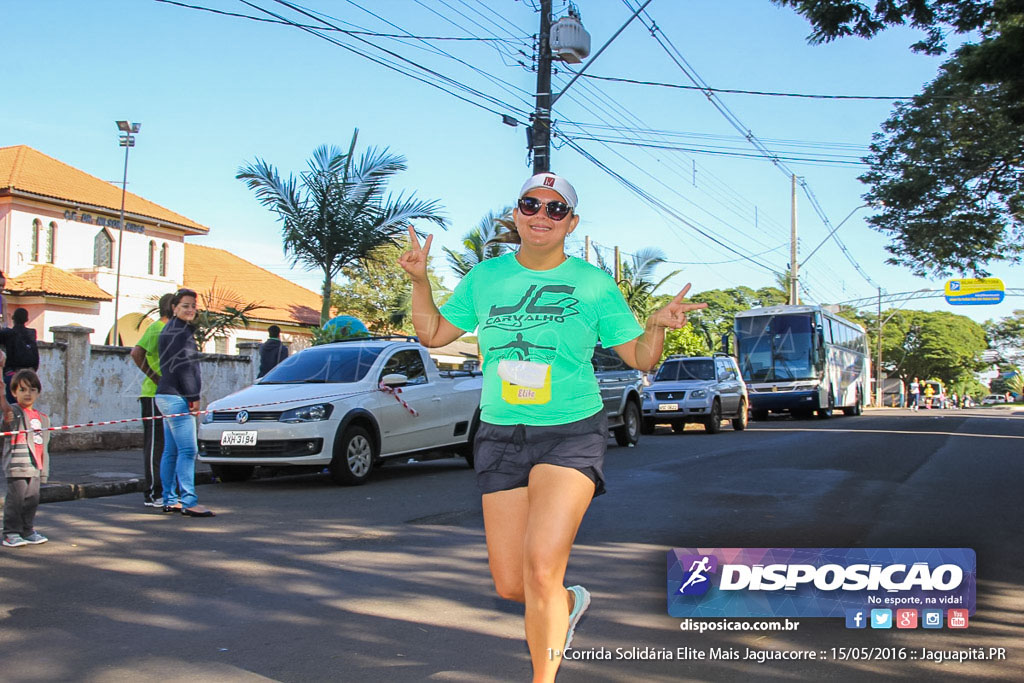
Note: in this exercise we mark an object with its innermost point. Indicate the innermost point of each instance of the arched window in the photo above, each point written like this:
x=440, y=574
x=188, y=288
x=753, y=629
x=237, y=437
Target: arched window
x=37, y=225
x=152, y=257
x=103, y=249
x=163, y=260
x=51, y=241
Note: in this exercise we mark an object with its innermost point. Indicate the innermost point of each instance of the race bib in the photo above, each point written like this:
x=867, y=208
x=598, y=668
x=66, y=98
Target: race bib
x=525, y=382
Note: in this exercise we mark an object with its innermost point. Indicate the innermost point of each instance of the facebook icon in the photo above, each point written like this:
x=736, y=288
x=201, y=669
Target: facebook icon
x=856, y=618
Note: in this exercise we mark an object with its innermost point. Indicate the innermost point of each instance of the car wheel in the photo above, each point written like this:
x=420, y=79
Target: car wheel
x=825, y=413
x=713, y=425
x=679, y=427
x=466, y=449
x=353, y=457
x=854, y=410
x=759, y=414
x=647, y=426
x=739, y=423
x=629, y=433
x=232, y=473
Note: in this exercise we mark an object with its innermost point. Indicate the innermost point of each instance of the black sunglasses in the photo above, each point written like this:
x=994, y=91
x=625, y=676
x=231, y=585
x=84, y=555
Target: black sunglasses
x=556, y=210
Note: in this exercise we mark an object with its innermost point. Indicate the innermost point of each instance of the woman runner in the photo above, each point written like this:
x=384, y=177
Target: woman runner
x=540, y=446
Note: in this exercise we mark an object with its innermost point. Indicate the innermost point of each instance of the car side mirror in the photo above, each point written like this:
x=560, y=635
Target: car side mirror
x=395, y=379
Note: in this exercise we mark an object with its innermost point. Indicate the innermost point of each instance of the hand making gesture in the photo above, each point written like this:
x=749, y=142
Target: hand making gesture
x=673, y=314
x=414, y=261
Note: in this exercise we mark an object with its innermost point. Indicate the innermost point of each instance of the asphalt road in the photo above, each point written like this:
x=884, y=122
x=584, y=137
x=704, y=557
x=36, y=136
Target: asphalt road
x=299, y=580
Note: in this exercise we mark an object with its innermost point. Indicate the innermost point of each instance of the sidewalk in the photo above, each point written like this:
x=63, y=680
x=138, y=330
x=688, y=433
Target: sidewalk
x=93, y=474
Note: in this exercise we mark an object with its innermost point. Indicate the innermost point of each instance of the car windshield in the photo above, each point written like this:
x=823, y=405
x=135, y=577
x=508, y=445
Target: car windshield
x=776, y=347
x=328, y=364
x=686, y=369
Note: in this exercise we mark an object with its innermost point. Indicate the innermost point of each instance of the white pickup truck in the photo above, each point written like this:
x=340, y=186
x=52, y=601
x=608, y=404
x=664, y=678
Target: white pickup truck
x=324, y=406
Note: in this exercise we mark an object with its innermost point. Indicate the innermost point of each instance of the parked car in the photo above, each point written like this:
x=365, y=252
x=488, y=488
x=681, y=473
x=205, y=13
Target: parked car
x=993, y=399
x=324, y=407
x=705, y=389
x=620, y=390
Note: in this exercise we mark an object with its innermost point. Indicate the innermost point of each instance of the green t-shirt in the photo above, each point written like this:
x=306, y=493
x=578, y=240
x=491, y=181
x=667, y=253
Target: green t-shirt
x=151, y=342
x=552, y=317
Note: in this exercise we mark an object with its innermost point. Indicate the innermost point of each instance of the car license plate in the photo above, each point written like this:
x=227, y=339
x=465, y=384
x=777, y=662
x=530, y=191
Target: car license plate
x=668, y=406
x=238, y=439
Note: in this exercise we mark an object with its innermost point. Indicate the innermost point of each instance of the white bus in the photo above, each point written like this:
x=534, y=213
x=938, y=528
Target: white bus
x=802, y=359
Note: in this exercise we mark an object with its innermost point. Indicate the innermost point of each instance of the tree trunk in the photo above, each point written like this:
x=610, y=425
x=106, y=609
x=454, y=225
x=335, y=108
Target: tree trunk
x=325, y=306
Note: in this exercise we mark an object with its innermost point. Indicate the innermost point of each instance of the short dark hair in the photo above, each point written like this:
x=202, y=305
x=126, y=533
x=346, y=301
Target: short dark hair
x=181, y=294
x=20, y=316
x=274, y=331
x=27, y=376
x=166, y=309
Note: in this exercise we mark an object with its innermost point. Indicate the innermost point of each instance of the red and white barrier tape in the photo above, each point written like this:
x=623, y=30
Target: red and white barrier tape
x=197, y=412
x=395, y=391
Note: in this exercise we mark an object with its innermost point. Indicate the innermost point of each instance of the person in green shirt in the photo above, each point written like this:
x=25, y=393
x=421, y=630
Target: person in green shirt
x=146, y=356
x=539, y=449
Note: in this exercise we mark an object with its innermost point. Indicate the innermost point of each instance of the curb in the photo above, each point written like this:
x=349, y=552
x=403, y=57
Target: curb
x=59, y=493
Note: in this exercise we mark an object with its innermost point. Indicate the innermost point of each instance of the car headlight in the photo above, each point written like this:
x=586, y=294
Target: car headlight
x=698, y=393
x=207, y=417
x=314, y=413
x=645, y=396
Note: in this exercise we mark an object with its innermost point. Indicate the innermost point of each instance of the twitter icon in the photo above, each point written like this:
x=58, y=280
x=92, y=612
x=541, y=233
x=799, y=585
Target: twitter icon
x=881, y=618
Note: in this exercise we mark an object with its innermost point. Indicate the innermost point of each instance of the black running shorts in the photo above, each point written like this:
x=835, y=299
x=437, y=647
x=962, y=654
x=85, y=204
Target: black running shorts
x=505, y=454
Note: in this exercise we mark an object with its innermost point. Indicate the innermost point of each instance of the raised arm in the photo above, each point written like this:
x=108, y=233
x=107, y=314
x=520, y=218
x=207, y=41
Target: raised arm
x=431, y=327
x=644, y=352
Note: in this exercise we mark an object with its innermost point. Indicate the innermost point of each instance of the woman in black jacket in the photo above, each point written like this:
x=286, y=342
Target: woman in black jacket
x=178, y=393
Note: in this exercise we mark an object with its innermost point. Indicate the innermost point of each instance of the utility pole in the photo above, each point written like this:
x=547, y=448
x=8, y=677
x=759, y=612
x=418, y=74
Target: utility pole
x=542, y=116
x=586, y=248
x=794, y=283
x=878, y=368
x=618, y=270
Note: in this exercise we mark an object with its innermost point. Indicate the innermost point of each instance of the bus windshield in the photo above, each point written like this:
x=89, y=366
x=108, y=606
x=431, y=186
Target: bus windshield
x=776, y=347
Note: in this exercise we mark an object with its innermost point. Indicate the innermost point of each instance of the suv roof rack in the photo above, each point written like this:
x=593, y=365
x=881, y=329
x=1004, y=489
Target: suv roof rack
x=379, y=337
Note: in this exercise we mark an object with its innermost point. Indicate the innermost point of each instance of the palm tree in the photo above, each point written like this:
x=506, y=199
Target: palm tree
x=636, y=284
x=476, y=243
x=337, y=212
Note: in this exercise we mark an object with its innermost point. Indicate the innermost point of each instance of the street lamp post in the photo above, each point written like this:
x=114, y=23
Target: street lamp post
x=881, y=324
x=833, y=231
x=128, y=131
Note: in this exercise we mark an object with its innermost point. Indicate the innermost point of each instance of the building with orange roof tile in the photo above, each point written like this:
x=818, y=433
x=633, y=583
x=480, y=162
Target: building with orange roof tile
x=59, y=232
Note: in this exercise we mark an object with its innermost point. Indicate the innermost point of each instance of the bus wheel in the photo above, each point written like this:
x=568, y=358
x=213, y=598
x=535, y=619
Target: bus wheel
x=825, y=413
x=856, y=409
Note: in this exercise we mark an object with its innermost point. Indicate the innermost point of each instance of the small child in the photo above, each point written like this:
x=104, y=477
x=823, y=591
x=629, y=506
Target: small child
x=26, y=460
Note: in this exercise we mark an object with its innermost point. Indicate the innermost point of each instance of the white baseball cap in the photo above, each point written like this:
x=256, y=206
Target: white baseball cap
x=551, y=182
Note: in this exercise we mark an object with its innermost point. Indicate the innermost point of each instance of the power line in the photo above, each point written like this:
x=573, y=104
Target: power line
x=239, y=15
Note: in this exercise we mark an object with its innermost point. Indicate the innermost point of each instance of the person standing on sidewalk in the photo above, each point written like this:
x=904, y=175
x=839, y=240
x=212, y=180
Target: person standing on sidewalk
x=146, y=355
x=177, y=392
x=26, y=461
x=915, y=394
x=539, y=449
x=272, y=351
x=20, y=347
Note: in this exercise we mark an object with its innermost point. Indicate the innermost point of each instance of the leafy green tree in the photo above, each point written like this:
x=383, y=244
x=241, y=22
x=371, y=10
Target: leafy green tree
x=377, y=291
x=723, y=305
x=685, y=341
x=1007, y=335
x=477, y=245
x=947, y=166
x=338, y=212
x=932, y=344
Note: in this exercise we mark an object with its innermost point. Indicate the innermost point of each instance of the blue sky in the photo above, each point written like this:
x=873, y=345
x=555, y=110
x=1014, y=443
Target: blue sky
x=214, y=92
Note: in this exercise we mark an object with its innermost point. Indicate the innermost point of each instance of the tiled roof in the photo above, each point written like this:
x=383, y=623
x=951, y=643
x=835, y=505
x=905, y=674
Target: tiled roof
x=49, y=280
x=28, y=170
x=240, y=282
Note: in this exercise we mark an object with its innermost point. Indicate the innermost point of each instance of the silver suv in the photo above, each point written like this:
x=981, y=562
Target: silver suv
x=704, y=389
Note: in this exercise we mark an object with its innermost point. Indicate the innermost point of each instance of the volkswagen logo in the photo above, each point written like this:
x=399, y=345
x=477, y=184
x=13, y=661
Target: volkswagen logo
x=242, y=417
